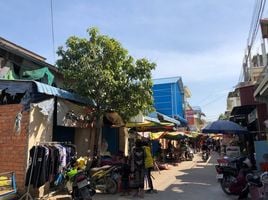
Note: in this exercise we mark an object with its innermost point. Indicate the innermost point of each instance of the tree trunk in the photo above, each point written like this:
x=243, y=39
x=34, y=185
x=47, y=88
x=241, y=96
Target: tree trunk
x=99, y=134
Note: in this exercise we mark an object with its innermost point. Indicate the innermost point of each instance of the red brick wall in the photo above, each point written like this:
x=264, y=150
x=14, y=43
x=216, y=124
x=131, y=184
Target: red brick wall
x=13, y=148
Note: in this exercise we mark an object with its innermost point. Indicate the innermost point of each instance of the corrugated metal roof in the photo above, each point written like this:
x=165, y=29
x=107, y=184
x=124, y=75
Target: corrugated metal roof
x=53, y=91
x=165, y=117
x=21, y=86
x=166, y=80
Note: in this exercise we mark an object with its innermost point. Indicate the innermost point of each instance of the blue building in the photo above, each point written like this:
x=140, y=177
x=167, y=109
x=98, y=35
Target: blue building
x=168, y=96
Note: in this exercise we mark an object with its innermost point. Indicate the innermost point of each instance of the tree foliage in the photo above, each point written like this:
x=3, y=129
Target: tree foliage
x=223, y=117
x=101, y=69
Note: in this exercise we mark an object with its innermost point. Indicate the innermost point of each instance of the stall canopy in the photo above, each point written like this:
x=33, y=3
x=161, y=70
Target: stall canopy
x=149, y=123
x=174, y=135
x=224, y=126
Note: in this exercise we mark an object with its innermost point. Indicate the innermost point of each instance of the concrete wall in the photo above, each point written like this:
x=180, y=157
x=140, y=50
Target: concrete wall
x=13, y=146
x=40, y=130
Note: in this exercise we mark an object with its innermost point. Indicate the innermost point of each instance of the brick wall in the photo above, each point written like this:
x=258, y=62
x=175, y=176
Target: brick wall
x=13, y=147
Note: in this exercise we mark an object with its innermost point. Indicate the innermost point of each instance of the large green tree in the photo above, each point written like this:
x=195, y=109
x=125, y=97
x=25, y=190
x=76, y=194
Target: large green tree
x=99, y=68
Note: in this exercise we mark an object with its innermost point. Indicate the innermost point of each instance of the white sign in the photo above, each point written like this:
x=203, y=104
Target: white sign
x=252, y=116
x=233, y=151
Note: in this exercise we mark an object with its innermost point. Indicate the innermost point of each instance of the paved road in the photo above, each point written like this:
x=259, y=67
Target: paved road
x=188, y=181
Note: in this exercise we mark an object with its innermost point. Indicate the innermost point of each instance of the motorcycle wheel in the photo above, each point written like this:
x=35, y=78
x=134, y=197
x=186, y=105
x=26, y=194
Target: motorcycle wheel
x=111, y=185
x=226, y=183
x=85, y=193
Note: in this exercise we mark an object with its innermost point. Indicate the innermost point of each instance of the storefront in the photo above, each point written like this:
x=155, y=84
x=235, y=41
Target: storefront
x=33, y=113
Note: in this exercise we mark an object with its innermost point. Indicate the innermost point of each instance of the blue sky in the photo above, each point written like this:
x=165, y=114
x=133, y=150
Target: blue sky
x=203, y=41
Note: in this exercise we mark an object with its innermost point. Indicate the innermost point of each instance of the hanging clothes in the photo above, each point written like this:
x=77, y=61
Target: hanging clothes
x=37, y=166
x=47, y=162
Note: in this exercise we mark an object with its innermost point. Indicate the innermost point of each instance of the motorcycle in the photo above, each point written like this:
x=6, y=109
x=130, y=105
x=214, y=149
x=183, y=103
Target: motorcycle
x=103, y=178
x=75, y=181
x=232, y=175
x=257, y=184
x=81, y=187
x=205, y=155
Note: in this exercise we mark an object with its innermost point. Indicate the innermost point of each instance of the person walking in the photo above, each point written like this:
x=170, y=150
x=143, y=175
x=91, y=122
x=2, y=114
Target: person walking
x=138, y=168
x=149, y=164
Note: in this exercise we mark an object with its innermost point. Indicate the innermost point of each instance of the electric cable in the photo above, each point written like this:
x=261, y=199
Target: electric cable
x=52, y=29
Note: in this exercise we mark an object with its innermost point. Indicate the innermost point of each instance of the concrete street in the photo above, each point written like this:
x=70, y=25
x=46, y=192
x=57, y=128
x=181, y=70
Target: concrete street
x=190, y=180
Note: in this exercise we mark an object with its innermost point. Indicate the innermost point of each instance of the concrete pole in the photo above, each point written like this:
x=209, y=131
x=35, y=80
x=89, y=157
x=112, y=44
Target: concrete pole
x=264, y=55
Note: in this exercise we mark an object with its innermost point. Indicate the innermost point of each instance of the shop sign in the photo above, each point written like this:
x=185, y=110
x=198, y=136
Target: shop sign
x=252, y=116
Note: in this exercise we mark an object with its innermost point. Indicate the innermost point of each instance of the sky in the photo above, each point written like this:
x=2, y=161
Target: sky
x=203, y=41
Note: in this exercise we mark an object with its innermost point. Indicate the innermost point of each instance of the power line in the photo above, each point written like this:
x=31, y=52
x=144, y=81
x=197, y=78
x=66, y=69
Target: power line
x=253, y=31
x=52, y=29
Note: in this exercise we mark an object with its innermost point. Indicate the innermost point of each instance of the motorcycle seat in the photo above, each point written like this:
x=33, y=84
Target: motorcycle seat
x=95, y=169
x=254, y=180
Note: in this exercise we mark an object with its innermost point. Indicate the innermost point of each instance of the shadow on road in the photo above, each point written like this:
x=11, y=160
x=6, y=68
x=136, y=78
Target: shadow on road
x=198, y=182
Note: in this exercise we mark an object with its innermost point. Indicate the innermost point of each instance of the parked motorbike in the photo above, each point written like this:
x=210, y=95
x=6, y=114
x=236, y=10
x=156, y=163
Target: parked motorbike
x=81, y=187
x=75, y=181
x=232, y=175
x=103, y=178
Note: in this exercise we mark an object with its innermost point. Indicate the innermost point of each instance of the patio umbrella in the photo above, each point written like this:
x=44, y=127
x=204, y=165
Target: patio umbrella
x=224, y=126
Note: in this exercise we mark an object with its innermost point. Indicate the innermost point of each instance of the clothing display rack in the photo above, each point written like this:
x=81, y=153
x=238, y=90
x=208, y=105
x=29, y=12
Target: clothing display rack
x=27, y=195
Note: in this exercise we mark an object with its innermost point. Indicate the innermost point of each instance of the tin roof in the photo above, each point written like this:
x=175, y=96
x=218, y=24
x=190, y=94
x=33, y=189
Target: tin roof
x=166, y=80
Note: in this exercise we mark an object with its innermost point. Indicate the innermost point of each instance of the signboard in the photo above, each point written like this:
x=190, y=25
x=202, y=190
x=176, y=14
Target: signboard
x=252, y=116
x=233, y=151
x=261, y=149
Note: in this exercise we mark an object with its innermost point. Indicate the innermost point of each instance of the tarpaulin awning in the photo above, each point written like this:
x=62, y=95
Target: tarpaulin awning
x=140, y=124
x=157, y=135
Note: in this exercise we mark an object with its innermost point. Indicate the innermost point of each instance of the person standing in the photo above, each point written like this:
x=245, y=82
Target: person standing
x=125, y=174
x=149, y=164
x=138, y=168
